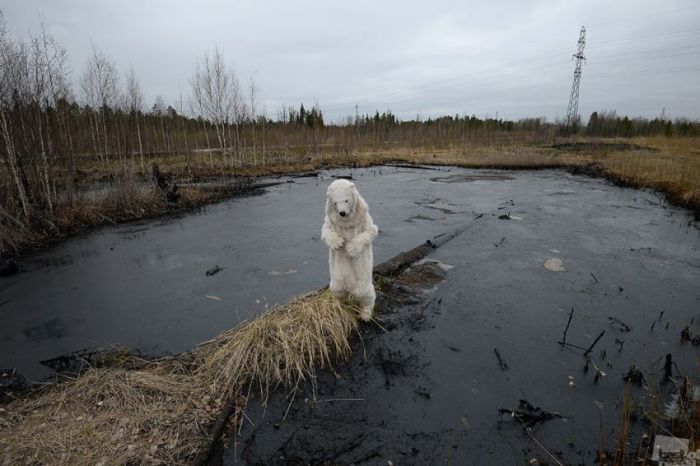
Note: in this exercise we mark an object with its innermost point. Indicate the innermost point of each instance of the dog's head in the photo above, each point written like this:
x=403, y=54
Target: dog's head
x=343, y=201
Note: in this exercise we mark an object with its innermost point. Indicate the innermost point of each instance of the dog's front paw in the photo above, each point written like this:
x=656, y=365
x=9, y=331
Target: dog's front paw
x=353, y=248
x=334, y=241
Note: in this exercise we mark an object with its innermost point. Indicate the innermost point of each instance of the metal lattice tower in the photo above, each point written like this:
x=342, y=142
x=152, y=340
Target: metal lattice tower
x=572, y=110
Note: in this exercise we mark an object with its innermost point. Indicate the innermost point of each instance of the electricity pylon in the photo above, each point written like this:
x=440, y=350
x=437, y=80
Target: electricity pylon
x=572, y=110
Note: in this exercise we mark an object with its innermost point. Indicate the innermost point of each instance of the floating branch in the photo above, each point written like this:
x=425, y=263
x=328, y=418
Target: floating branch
x=571, y=314
x=590, y=348
x=501, y=362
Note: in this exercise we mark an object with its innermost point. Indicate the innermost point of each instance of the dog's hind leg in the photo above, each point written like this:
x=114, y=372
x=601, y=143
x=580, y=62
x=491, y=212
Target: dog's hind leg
x=338, y=291
x=366, y=297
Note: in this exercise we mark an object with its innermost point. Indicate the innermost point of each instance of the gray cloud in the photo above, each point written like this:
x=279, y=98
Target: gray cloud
x=510, y=58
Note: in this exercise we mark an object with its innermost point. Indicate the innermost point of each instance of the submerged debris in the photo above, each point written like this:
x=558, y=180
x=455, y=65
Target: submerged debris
x=501, y=362
x=687, y=335
x=620, y=325
x=528, y=414
x=668, y=367
x=621, y=343
x=214, y=270
x=634, y=376
x=504, y=216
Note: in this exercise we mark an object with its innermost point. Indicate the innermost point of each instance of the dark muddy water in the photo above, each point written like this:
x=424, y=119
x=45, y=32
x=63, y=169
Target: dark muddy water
x=428, y=390
x=143, y=285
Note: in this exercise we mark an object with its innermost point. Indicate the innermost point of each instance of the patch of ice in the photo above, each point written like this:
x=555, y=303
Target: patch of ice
x=554, y=264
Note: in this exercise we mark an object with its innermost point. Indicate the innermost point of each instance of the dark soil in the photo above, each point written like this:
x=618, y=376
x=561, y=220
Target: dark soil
x=599, y=146
x=327, y=423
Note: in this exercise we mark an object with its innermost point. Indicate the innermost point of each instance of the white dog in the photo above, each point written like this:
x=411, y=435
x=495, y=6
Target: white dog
x=348, y=230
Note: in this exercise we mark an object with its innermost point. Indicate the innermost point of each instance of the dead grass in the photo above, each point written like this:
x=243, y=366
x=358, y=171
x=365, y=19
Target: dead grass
x=673, y=167
x=163, y=412
x=282, y=347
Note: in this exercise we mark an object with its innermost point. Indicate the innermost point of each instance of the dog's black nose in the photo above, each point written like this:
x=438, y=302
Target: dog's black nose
x=342, y=214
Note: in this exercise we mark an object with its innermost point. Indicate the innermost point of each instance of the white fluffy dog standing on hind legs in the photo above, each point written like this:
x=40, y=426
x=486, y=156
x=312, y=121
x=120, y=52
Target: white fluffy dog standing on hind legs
x=348, y=230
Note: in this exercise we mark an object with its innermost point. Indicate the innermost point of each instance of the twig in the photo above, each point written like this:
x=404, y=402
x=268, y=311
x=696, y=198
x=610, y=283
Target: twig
x=572, y=345
x=289, y=406
x=590, y=348
x=623, y=326
x=594, y=277
x=529, y=432
x=571, y=314
x=107, y=219
x=501, y=362
x=375, y=322
x=668, y=367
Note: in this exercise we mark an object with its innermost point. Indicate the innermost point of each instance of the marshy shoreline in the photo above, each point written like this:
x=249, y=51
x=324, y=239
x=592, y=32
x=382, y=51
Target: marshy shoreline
x=669, y=166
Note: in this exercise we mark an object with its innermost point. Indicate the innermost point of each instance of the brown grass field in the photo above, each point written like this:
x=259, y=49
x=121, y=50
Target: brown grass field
x=669, y=165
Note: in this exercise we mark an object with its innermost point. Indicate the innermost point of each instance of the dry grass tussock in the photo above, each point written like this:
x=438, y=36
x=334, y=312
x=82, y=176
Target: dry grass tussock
x=163, y=412
x=88, y=211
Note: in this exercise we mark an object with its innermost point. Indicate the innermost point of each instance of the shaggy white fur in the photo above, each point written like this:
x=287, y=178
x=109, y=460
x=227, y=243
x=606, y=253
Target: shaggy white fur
x=348, y=230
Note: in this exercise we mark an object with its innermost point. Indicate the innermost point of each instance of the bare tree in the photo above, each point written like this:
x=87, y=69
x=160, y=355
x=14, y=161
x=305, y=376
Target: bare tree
x=160, y=110
x=216, y=93
x=253, y=95
x=134, y=104
x=11, y=58
x=100, y=86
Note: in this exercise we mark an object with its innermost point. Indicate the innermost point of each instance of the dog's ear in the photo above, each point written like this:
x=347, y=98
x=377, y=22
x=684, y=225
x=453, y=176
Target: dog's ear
x=328, y=205
x=361, y=207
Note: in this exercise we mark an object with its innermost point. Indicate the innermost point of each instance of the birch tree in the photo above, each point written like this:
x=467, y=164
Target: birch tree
x=100, y=86
x=216, y=93
x=134, y=105
x=11, y=57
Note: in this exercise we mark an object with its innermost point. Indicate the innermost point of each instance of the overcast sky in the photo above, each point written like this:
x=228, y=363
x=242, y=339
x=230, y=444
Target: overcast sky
x=506, y=58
